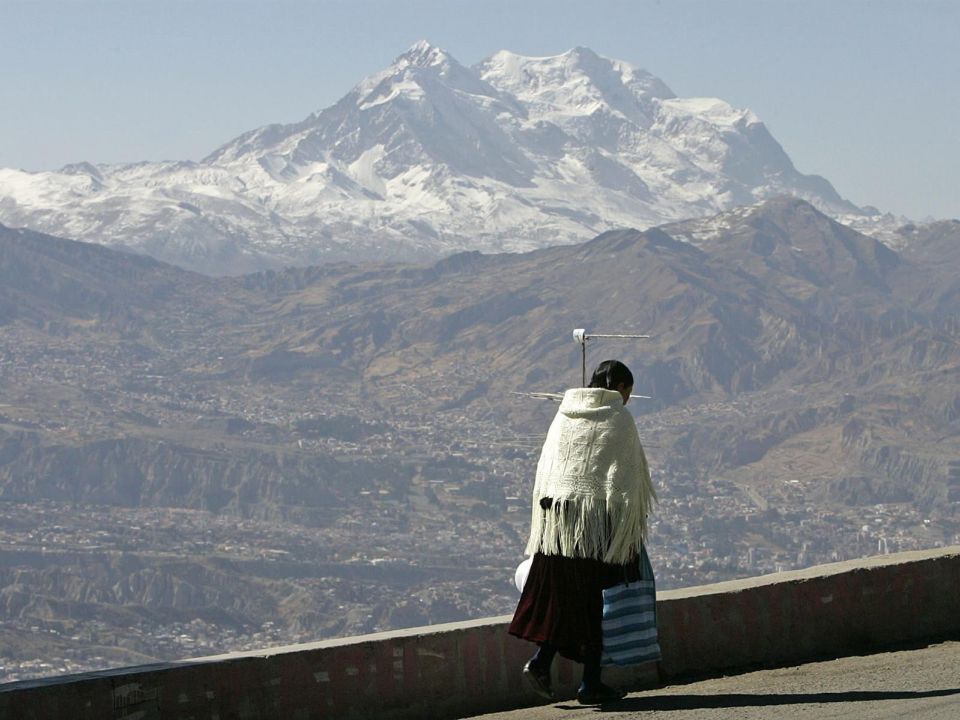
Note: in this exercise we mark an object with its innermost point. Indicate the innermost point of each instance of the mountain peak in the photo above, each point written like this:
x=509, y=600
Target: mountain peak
x=416, y=75
x=579, y=78
x=80, y=168
x=558, y=66
x=581, y=54
x=427, y=157
x=424, y=54
x=584, y=58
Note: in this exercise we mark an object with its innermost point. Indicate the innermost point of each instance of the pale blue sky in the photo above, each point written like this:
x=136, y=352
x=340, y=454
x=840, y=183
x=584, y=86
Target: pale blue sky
x=864, y=92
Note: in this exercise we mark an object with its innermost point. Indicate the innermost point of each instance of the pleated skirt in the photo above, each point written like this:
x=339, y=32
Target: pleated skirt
x=562, y=603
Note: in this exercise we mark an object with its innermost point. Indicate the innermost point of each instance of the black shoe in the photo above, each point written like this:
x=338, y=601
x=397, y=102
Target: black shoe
x=599, y=694
x=538, y=679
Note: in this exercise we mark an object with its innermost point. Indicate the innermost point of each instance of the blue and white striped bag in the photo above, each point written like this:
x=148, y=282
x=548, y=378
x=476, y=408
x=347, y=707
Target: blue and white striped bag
x=630, y=619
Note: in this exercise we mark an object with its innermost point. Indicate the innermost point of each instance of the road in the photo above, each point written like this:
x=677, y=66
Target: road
x=920, y=684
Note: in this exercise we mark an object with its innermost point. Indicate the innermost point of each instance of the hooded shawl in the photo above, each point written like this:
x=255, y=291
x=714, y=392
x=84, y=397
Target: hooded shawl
x=592, y=491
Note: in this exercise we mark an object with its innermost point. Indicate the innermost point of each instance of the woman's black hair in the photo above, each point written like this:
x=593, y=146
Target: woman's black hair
x=610, y=374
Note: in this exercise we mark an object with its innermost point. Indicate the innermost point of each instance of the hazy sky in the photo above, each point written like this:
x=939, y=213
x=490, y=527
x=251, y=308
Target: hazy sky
x=865, y=92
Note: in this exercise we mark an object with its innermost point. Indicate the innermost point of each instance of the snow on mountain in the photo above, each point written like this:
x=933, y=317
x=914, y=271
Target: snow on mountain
x=429, y=157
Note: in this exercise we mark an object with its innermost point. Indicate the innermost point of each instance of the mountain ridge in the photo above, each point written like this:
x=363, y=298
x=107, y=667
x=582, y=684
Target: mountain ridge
x=349, y=448
x=426, y=158
x=781, y=298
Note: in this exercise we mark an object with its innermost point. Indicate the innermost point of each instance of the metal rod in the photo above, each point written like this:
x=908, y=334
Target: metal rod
x=594, y=335
x=580, y=335
x=583, y=363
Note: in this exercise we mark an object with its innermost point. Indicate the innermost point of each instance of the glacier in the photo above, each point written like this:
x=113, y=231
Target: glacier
x=429, y=157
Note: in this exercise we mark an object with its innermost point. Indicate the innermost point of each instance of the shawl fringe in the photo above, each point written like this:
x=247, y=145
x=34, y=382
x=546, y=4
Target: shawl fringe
x=581, y=528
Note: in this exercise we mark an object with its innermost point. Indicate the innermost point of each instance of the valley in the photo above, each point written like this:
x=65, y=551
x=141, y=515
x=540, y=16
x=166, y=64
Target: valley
x=191, y=465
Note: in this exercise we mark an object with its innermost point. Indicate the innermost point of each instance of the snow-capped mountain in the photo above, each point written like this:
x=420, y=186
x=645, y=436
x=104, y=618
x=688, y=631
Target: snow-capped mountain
x=430, y=157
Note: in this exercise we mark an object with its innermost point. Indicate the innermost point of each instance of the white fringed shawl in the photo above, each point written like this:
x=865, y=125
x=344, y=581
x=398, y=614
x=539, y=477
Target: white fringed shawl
x=593, y=468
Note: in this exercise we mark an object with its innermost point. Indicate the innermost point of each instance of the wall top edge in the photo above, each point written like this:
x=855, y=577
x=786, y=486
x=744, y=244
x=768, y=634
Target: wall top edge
x=495, y=624
x=812, y=573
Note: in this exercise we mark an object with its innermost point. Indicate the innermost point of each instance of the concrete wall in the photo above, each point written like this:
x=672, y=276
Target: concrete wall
x=462, y=669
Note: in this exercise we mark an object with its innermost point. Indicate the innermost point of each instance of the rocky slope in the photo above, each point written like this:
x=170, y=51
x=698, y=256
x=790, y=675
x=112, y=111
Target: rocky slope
x=767, y=299
x=338, y=449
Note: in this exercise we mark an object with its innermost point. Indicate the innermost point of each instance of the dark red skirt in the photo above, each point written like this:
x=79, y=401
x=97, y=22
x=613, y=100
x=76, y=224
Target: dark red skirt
x=562, y=602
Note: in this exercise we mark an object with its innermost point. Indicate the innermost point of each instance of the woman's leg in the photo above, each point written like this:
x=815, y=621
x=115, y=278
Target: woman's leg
x=543, y=658
x=537, y=670
x=591, y=670
x=592, y=690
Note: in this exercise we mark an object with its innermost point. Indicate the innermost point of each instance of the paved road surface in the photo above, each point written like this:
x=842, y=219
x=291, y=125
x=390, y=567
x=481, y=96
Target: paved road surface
x=921, y=684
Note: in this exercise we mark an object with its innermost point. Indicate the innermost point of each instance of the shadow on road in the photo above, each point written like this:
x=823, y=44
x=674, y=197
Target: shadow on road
x=731, y=700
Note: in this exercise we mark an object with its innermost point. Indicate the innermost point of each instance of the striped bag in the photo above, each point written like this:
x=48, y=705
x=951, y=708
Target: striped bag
x=630, y=619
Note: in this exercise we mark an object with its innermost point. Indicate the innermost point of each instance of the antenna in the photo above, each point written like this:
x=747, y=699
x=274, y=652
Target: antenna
x=581, y=337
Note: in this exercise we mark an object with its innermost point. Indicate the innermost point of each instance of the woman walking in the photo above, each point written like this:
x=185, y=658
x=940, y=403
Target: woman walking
x=589, y=517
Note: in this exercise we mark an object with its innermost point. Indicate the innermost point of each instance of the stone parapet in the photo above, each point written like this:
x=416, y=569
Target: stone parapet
x=462, y=669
